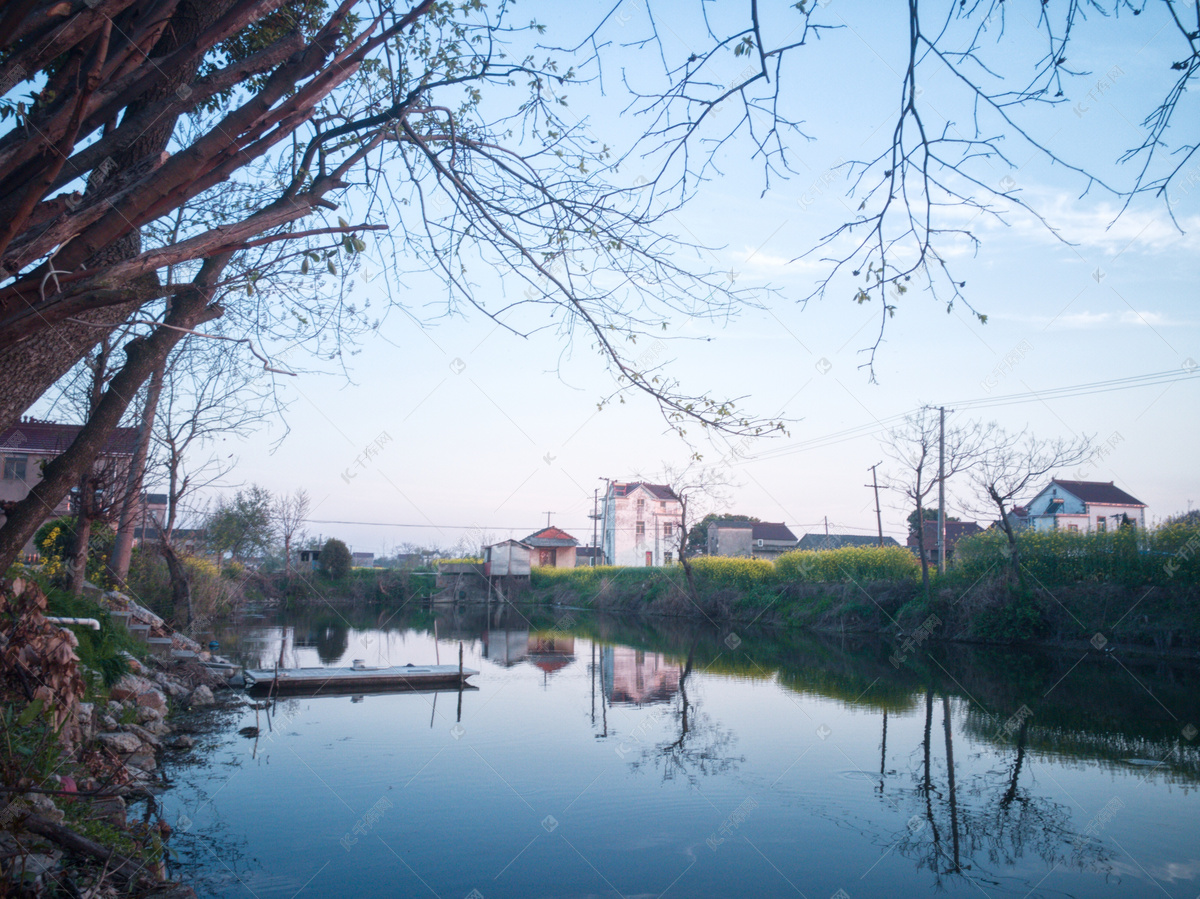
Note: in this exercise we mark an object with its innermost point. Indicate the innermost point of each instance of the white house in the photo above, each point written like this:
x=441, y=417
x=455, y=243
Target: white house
x=641, y=524
x=1084, y=506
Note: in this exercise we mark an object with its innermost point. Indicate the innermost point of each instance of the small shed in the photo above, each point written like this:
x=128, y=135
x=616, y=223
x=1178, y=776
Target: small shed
x=552, y=548
x=509, y=558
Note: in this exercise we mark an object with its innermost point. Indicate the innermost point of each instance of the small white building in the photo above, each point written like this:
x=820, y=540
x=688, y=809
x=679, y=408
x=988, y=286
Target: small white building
x=509, y=558
x=642, y=524
x=1084, y=506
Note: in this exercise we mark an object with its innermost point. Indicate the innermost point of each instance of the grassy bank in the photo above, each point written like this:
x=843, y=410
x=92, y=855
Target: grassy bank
x=360, y=585
x=1128, y=587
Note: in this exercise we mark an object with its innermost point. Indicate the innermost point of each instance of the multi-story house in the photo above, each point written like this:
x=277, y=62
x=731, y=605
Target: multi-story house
x=642, y=524
x=1084, y=506
x=31, y=443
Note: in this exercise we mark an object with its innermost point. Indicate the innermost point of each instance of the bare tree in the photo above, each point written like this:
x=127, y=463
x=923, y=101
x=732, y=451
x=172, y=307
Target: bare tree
x=291, y=511
x=211, y=391
x=913, y=448
x=700, y=489
x=1013, y=465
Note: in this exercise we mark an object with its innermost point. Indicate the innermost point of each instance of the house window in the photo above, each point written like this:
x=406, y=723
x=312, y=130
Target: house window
x=14, y=468
x=668, y=529
x=1072, y=527
x=641, y=530
x=641, y=507
x=1101, y=524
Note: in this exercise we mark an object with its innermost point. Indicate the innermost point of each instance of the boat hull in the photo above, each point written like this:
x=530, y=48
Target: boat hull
x=341, y=680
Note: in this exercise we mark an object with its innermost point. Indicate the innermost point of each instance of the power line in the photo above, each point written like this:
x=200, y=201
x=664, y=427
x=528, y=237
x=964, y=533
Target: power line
x=1152, y=379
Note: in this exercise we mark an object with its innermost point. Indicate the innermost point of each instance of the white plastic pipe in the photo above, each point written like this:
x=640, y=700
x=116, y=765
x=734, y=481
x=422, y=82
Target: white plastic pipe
x=85, y=622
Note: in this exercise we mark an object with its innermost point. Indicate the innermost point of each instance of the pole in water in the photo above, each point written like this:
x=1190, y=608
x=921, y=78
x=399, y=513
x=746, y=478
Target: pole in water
x=460, y=657
x=436, y=652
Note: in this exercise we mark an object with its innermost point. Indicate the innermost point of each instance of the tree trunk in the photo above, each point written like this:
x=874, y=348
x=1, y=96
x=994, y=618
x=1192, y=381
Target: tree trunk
x=181, y=587
x=122, y=551
x=921, y=547
x=142, y=356
x=83, y=536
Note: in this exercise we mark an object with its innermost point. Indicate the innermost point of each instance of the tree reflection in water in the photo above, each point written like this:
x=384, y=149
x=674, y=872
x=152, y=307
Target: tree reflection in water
x=702, y=747
x=979, y=826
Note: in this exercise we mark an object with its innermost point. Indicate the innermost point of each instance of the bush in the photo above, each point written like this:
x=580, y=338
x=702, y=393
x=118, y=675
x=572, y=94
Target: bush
x=850, y=564
x=1126, y=556
x=336, y=560
x=725, y=571
x=54, y=540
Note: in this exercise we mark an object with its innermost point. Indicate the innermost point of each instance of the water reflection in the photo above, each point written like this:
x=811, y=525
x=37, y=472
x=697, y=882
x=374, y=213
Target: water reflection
x=755, y=765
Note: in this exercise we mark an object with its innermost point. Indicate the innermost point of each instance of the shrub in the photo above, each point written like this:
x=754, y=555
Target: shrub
x=724, y=571
x=54, y=540
x=850, y=564
x=1170, y=553
x=336, y=560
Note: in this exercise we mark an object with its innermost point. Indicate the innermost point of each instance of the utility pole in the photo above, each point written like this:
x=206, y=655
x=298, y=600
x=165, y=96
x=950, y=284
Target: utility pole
x=878, y=514
x=595, y=522
x=548, y=514
x=826, y=525
x=604, y=560
x=941, y=536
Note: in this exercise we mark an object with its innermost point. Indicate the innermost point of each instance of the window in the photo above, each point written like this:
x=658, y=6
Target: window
x=641, y=530
x=1072, y=527
x=668, y=529
x=641, y=507
x=1101, y=525
x=14, y=468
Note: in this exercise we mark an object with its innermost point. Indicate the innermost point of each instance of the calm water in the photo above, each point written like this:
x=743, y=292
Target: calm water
x=603, y=757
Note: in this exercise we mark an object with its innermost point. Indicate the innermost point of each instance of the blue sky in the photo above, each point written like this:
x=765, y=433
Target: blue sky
x=471, y=432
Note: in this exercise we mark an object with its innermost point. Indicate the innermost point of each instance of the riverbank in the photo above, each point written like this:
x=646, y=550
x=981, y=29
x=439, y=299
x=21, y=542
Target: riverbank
x=877, y=591
x=89, y=715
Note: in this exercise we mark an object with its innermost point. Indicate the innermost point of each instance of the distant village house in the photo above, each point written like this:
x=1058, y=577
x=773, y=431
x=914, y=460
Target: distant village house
x=1084, y=506
x=642, y=524
x=749, y=539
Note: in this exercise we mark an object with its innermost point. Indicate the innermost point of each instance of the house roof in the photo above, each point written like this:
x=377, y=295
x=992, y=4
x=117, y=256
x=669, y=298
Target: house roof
x=658, y=491
x=837, y=541
x=1103, y=493
x=955, y=531
x=550, y=537
x=775, y=531
x=46, y=438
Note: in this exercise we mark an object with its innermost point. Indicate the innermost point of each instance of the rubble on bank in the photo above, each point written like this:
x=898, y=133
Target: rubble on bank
x=68, y=831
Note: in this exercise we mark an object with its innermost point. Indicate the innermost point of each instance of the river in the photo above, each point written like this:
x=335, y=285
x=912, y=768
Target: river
x=604, y=756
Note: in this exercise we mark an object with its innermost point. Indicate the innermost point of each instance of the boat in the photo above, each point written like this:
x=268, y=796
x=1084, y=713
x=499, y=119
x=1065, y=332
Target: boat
x=356, y=678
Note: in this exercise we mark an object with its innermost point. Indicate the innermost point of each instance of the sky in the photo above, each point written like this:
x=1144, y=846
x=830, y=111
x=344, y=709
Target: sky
x=451, y=430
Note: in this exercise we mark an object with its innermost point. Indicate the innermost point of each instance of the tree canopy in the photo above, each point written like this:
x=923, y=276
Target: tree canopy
x=169, y=163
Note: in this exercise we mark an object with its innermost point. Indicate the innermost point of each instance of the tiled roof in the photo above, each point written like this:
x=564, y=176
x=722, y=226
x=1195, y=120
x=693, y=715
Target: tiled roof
x=837, y=541
x=658, y=491
x=955, y=531
x=1101, y=492
x=550, y=537
x=775, y=531
x=45, y=438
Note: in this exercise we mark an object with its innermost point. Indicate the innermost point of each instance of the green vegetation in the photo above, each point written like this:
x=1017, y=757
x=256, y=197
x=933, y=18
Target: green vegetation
x=103, y=652
x=1073, y=587
x=55, y=542
x=336, y=560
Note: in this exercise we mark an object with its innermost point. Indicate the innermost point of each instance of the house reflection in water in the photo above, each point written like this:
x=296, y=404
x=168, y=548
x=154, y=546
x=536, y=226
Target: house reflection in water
x=548, y=650
x=633, y=677
x=505, y=647
x=551, y=652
